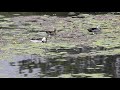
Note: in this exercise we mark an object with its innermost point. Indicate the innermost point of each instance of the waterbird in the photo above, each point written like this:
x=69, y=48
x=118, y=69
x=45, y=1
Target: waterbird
x=36, y=41
x=94, y=30
x=51, y=33
x=42, y=40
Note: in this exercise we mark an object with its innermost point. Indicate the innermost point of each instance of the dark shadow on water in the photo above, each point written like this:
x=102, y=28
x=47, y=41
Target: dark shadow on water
x=37, y=66
x=12, y=14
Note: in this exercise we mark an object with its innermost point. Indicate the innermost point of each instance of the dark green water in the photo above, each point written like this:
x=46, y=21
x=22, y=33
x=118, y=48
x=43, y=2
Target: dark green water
x=33, y=13
x=34, y=66
x=49, y=13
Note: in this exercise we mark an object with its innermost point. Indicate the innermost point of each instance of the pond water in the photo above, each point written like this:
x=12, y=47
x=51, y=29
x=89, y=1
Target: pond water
x=36, y=66
x=12, y=14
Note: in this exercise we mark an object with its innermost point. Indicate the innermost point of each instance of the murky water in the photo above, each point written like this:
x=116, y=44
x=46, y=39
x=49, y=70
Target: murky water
x=12, y=14
x=35, y=66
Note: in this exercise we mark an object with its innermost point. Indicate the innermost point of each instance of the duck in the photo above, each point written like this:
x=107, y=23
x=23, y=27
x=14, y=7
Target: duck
x=51, y=33
x=94, y=30
x=41, y=40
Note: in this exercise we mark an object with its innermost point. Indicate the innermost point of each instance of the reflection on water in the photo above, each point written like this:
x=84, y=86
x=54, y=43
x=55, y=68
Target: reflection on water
x=117, y=68
x=34, y=66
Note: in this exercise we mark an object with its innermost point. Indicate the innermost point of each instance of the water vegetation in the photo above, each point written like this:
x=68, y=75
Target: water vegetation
x=72, y=39
x=73, y=32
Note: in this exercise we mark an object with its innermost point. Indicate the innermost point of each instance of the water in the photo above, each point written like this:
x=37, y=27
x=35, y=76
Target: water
x=9, y=14
x=12, y=14
x=36, y=66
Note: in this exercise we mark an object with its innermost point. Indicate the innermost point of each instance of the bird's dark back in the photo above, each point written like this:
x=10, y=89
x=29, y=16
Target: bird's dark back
x=94, y=30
